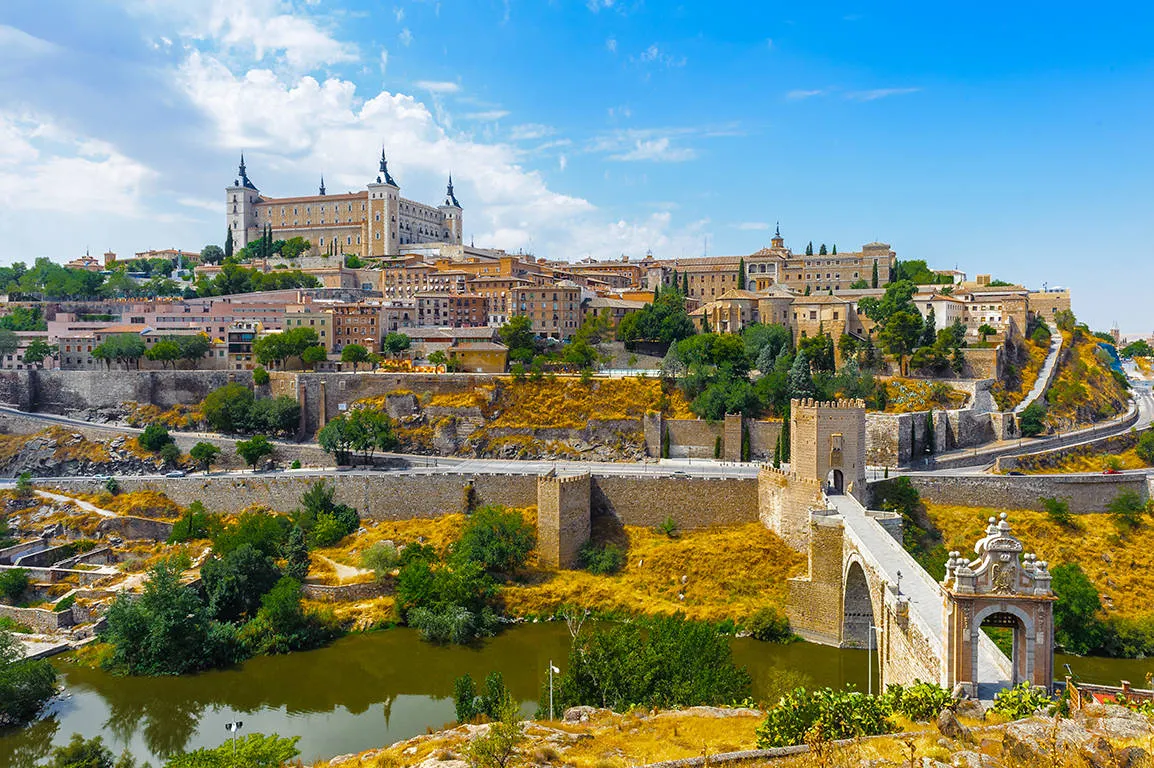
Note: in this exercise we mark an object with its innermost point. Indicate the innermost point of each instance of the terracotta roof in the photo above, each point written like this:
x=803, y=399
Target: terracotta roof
x=480, y=346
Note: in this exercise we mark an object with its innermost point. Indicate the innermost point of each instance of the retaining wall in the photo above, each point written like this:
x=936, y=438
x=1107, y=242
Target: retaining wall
x=38, y=618
x=1085, y=493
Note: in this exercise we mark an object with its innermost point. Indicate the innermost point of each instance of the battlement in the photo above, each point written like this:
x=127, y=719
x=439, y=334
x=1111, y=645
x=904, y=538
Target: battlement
x=841, y=403
x=552, y=477
x=781, y=477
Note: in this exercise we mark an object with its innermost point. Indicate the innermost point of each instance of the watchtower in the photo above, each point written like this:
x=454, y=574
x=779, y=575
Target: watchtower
x=1003, y=588
x=827, y=442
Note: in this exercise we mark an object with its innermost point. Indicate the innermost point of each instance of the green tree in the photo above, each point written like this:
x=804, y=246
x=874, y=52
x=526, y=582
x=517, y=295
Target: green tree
x=438, y=359
x=874, y=276
x=685, y=284
x=518, y=336
x=296, y=555
x=211, y=254
x=498, y=539
x=255, y=449
x=38, y=350
x=227, y=408
x=899, y=335
x=800, y=378
x=497, y=748
x=1140, y=348
x=81, y=753
x=8, y=342
x=166, y=352
x=809, y=248
x=1126, y=511
x=313, y=355
x=167, y=630
x=154, y=437
x=265, y=531
x=1031, y=421
x=336, y=438
x=396, y=343
x=123, y=348
x=369, y=431
x=25, y=685
x=277, y=415
x=741, y=274
x=355, y=354
x=228, y=245
x=1058, y=511
x=822, y=251
x=985, y=330
x=235, y=583
x=193, y=347
x=1145, y=447
x=260, y=376
x=1077, y=626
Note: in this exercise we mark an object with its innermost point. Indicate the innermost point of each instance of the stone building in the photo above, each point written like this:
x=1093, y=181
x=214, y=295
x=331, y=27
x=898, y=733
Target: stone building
x=828, y=443
x=374, y=222
x=452, y=310
x=358, y=323
x=553, y=310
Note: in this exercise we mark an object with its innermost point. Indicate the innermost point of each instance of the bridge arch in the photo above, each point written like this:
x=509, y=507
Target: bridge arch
x=1024, y=636
x=858, y=611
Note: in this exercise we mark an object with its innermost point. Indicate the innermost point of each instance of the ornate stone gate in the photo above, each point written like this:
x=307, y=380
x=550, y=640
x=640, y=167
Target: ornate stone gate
x=1004, y=588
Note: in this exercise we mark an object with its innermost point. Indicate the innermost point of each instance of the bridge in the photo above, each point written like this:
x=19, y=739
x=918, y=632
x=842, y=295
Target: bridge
x=863, y=590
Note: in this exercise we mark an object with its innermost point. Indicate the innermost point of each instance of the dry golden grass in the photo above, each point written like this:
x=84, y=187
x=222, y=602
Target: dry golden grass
x=476, y=397
x=1091, y=462
x=146, y=503
x=1119, y=566
x=909, y=395
x=569, y=403
x=757, y=565
x=439, y=532
x=1145, y=366
x=176, y=417
x=10, y=445
x=1035, y=358
x=359, y=616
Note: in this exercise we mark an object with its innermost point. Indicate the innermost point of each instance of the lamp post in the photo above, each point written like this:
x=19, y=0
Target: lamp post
x=869, y=657
x=234, y=728
x=552, y=670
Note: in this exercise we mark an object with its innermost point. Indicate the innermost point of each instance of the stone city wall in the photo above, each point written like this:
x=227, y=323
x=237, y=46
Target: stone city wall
x=693, y=438
x=692, y=502
x=1085, y=493
x=1029, y=462
x=815, y=602
x=784, y=504
x=341, y=593
x=57, y=391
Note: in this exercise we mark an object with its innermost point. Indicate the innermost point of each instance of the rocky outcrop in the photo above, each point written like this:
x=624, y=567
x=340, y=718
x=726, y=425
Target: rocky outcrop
x=59, y=453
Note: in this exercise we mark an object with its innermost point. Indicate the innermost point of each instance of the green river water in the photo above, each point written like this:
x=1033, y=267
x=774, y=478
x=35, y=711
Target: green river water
x=370, y=690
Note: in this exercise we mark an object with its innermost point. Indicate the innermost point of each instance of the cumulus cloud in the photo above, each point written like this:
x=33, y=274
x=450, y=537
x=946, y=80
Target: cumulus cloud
x=45, y=168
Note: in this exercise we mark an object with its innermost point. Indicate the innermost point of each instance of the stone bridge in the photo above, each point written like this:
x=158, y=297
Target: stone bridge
x=863, y=590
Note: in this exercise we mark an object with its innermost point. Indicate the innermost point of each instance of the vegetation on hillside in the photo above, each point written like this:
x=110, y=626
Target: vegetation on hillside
x=1023, y=362
x=1086, y=388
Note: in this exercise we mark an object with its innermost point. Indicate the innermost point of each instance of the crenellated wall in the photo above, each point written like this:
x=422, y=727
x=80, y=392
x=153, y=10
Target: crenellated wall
x=563, y=519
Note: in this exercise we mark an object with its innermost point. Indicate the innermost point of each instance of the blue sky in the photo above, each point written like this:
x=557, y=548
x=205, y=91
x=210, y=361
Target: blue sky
x=1011, y=138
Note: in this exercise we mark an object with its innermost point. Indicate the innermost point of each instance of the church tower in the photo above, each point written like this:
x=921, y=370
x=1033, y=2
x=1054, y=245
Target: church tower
x=240, y=208
x=384, y=209
x=777, y=241
x=451, y=211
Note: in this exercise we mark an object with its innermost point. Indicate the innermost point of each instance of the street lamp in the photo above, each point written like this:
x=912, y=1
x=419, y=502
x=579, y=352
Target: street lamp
x=869, y=657
x=234, y=728
x=552, y=671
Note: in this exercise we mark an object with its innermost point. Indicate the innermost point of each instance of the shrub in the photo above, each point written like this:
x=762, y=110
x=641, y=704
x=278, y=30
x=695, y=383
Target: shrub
x=25, y=686
x=920, y=702
x=1020, y=701
x=841, y=714
x=296, y=555
x=253, y=751
x=260, y=376
x=380, y=558
x=204, y=454
x=1077, y=627
x=498, y=747
x=265, y=531
x=668, y=527
x=465, y=698
x=1058, y=510
x=13, y=583
x=281, y=625
x=322, y=518
x=450, y=624
x=601, y=559
x=24, y=487
x=660, y=662
x=1031, y=421
x=296, y=464
x=195, y=523
x=1126, y=511
x=112, y=485
x=448, y=602
x=170, y=454
x=235, y=584
x=65, y=604
x=495, y=538
x=769, y=626
x=226, y=409
x=1145, y=447
x=154, y=438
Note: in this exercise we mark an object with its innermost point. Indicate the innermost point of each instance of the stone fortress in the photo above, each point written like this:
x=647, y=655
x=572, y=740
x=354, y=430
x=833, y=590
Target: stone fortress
x=374, y=222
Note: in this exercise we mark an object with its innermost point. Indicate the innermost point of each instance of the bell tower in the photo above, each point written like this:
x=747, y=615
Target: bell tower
x=240, y=208
x=384, y=209
x=451, y=211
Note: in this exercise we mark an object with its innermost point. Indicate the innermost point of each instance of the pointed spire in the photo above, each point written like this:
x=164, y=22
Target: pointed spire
x=777, y=229
x=244, y=182
x=322, y=185
x=450, y=198
x=384, y=169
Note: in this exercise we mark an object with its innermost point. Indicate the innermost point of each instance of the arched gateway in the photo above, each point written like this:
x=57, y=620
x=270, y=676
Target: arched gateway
x=1003, y=588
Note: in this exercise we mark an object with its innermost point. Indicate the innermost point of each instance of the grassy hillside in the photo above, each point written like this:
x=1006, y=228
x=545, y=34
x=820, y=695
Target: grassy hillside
x=1086, y=389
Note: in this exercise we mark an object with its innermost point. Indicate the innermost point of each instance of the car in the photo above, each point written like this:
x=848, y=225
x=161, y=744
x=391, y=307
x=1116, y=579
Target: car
x=1016, y=473
x=176, y=473
x=1111, y=471
x=679, y=473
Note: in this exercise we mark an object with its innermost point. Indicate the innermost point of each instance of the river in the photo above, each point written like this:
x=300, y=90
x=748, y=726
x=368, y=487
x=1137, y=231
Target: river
x=370, y=690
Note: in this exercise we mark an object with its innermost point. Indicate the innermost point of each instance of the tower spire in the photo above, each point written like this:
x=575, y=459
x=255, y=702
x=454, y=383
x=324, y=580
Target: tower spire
x=244, y=182
x=384, y=170
x=450, y=198
x=322, y=185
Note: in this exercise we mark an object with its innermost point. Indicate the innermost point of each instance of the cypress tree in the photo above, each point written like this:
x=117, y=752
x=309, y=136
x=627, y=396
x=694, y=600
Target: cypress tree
x=228, y=244
x=822, y=251
x=800, y=377
x=835, y=249
x=675, y=282
x=685, y=278
x=874, y=277
x=809, y=249
x=741, y=274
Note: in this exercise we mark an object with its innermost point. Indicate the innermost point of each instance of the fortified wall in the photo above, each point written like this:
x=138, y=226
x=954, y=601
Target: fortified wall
x=1084, y=493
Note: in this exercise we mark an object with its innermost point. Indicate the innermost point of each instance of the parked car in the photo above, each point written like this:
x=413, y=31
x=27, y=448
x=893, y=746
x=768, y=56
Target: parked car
x=176, y=473
x=1111, y=471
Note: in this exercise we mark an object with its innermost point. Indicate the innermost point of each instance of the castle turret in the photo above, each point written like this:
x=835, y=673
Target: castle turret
x=384, y=207
x=777, y=241
x=451, y=211
x=240, y=207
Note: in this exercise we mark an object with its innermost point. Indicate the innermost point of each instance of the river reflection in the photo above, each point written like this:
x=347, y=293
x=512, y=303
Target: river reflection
x=361, y=692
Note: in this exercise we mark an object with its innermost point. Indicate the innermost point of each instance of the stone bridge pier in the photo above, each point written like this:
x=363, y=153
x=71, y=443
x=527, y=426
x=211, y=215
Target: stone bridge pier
x=863, y=590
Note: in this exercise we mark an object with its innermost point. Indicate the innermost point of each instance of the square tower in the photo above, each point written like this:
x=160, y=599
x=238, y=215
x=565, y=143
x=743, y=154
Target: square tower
x=827, y=443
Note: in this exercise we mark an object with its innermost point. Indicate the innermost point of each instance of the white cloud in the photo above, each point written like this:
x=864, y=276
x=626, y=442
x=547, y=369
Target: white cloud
x=384, y=61
x=611, y=45
x=18, y=44
x=529, y=132
x=329, y=125
x=562, y=162
x=262, y=27
x=879, y=93
x=406, y=37
x=659, y=150
x=753, y=226
x=438, y=86
x=597, y=5
x=488, y=116
x=399, y=13
x=797, y=95
x=654, y=55
x=44, y=168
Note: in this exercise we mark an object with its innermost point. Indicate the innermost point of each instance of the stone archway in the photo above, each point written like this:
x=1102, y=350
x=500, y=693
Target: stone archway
x=857, y=608
x=1002, y=585
x=835, y=482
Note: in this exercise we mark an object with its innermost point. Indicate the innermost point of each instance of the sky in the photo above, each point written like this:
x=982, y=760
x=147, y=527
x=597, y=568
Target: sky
x=1005, y=138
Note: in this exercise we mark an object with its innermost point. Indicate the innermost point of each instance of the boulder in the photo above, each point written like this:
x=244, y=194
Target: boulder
x=971, y=708
x=1040, y=738
x=578, y=714
x=949, y=726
